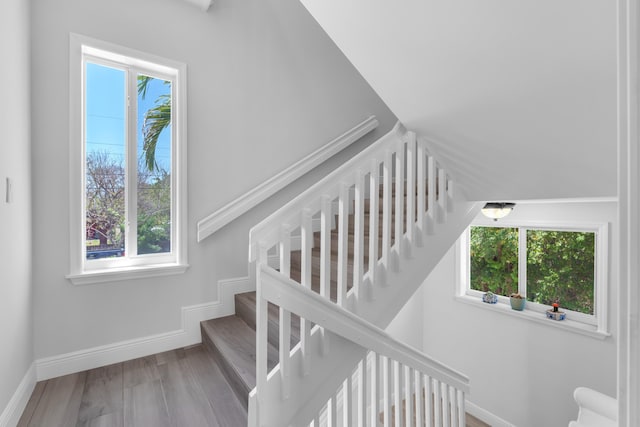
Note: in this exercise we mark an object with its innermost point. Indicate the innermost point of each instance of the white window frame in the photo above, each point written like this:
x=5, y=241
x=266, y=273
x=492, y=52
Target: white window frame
x=83, y=271
x=594, y=325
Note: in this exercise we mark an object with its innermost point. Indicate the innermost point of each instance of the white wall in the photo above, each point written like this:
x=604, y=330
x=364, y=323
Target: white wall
x=407, y=326
x=16, y=332
x=520, y=371
x=504, y=88
x=266, y=88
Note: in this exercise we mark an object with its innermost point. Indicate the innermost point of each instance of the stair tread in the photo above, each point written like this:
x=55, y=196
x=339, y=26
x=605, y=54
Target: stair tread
x=236, y=343
x=246, y=309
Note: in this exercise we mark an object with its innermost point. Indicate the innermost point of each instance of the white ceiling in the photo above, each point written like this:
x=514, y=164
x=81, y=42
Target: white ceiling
x=518, y=98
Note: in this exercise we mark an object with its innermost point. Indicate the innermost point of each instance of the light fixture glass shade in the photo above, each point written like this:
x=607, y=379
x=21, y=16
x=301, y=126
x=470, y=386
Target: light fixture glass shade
x=497, y=210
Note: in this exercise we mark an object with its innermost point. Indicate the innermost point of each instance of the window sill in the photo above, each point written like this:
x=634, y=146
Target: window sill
x=535, y=316
x=126, y=273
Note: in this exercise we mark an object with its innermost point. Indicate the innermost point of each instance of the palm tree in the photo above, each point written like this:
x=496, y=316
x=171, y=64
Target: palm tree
x=156, y=120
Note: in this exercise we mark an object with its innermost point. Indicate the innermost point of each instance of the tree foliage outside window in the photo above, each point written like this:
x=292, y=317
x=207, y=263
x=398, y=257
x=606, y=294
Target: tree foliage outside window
x=494, y=260
x=560, y=265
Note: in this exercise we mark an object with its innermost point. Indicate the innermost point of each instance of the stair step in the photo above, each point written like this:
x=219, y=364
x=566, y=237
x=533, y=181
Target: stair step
x=232, y=343
x=246, y=310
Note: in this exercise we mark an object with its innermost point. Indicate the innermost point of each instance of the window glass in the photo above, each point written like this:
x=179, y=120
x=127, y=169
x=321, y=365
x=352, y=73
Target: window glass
x=105, y=148
x=154, y=165
x=494, y=260
x=560, y=268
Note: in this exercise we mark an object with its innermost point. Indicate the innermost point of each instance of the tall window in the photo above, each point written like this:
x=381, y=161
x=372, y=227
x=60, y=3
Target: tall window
x=545, y=264
x=130, y=116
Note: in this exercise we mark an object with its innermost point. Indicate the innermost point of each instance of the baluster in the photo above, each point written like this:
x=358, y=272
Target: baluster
x=422, y=190
x=399, y=207
x=397, y=394
x=316, y=420
x=453, y=413
x=306, y=243
x=442, y=195
x=347, y=405
x=358, y=235
x=462, y=415
x=411, y=192
x=362, y=393
x=417, y=390
x=429, y=411
x=386, y=400
x=374, y=199
x=332, y=412
x=374, y=383
x=387, y=209
x=437, y=403
x=431, y=194
x=284, y=321
x=343, y=244
x=445, y=404
x=261, y=326
x=408, y=418
x=450, y=195
x=325, y=259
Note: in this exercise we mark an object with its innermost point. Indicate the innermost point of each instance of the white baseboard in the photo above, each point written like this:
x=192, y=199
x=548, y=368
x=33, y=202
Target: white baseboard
x=12, y=413
x=189, y=334
x=486, y=416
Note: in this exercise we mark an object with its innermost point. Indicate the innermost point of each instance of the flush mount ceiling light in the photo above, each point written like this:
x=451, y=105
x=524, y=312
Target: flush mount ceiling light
x=497, y=210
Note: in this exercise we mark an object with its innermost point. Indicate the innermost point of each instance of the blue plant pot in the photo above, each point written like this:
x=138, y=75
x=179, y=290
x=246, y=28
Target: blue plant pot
x=517, y=303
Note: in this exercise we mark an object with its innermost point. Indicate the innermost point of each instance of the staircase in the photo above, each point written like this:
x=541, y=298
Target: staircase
x=332, y=269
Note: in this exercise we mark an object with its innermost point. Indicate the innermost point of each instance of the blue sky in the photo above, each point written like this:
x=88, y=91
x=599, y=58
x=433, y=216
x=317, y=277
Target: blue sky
x=106, y=109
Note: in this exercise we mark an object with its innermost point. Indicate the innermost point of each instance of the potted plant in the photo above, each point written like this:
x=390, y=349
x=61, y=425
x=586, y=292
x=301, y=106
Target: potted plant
x=517, y=301
x=555, y=313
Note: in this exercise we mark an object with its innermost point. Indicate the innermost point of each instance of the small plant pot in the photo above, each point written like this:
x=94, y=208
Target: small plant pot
x=517, y=303
x=556, y=315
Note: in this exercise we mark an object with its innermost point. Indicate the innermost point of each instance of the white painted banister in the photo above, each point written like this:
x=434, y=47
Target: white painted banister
x=289, y=295
x=377, y=225
x=250, y=199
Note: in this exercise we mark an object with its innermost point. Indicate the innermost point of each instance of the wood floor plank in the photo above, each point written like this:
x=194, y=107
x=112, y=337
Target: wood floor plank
x=60, y=402
x=113, y=419
x=186, y=403
x=227, y=408
x=140, y=371
x=102, y=394
x=144, y=405
x=32, y=404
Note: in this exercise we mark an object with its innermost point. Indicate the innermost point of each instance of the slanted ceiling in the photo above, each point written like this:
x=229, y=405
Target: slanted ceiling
x=517, y=97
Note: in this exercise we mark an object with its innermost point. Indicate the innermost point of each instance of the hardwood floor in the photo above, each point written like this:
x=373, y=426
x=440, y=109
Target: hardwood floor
x=178, y=388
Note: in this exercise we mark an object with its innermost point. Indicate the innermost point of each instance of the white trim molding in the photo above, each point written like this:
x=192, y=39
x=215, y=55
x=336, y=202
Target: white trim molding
x=218, y=219
x=13, y=411
x=188, y=334
x=628, y=215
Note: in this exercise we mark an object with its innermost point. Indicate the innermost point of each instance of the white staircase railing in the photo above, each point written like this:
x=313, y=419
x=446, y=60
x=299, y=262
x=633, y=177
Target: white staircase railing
x=391, y=375
x=390, y=199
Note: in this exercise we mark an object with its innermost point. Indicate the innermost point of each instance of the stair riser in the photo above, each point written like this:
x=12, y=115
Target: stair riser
x=238, y=386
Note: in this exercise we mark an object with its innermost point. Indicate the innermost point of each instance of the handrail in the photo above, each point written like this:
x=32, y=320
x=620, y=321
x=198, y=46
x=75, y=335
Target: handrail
x=232, y=210
x=265, y=232
x=292, y=297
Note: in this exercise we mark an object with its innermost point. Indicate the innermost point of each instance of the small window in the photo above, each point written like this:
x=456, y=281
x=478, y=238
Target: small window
x=564, y=264
x=129, y=147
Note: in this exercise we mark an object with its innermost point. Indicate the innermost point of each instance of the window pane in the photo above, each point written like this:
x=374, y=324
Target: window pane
x=104, y=162
x=154, y=165
x=494, y=260
x=560, y=267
